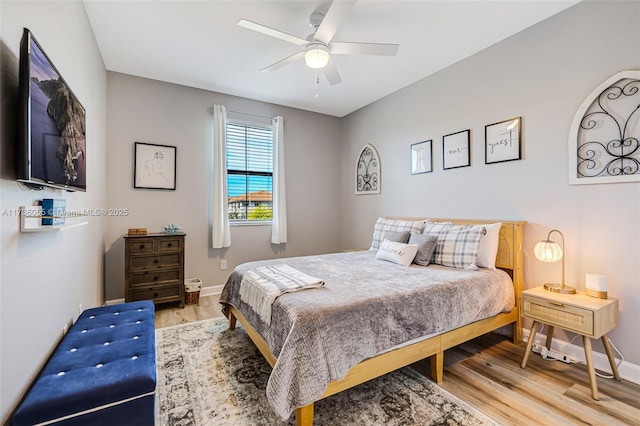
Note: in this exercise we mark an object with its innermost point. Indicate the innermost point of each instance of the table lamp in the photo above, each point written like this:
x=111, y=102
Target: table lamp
x=550, y=251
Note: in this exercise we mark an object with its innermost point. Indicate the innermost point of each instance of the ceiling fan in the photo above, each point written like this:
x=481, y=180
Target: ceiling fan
x=318, y=47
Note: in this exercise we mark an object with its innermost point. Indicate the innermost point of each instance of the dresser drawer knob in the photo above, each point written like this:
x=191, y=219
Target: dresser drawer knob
x=141, y=246
x=556, y=303
x=169, y=245
x=155, y=260
x=155, y=294
x=155, y=278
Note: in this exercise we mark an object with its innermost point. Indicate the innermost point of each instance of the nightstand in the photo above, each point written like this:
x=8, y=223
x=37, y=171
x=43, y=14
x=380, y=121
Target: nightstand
x=590, y=317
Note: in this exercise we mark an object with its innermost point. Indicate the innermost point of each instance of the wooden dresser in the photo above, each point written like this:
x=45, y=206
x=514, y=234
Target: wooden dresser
x=154, y=267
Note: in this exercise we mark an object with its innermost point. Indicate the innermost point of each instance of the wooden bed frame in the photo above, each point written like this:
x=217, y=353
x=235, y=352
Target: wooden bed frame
x=509, y=258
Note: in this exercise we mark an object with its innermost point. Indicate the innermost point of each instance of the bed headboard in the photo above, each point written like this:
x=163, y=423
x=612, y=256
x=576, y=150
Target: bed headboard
x=510, y=246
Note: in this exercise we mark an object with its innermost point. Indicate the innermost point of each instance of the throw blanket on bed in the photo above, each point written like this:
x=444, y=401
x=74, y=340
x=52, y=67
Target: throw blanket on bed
x=260, y=288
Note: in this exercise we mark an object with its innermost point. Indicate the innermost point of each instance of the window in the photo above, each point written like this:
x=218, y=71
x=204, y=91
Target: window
x=249, y=172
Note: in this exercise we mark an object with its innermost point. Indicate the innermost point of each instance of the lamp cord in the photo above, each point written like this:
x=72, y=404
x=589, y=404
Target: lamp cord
x=604, y=376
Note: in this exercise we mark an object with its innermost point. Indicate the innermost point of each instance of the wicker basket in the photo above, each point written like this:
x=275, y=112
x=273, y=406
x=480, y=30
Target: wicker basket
x=192, y=288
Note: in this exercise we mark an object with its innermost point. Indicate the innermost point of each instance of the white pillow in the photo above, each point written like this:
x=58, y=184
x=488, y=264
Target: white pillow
x=399, y=253
x=489, y=246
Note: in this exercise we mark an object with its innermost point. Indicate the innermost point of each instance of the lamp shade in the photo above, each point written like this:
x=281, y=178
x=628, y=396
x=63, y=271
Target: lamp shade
x=548, y=251
x=316, y=56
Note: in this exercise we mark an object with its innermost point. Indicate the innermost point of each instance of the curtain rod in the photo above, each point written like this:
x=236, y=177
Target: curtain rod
x=245, y=114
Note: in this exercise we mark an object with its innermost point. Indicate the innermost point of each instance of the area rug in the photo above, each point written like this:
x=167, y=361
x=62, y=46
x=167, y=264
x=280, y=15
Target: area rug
x=209, y=375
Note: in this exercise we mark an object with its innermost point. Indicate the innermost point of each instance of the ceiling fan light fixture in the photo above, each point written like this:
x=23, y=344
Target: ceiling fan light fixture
x=316, y=56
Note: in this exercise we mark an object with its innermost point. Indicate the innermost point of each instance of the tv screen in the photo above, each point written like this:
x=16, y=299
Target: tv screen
x=52, y=145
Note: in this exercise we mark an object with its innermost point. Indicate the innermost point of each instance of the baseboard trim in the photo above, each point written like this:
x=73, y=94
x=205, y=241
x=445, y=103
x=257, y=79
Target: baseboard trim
x=211, y=290
x=627, y=370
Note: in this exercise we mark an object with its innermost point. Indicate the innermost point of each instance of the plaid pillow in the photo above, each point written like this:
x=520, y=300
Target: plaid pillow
x=457, y=245
x=397, y=225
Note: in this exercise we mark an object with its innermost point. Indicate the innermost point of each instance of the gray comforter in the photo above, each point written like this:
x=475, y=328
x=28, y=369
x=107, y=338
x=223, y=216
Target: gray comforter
x=367, y=306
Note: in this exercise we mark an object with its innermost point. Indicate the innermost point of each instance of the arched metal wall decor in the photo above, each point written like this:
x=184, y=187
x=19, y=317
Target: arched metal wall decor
x=368, y=171
x=604, y=140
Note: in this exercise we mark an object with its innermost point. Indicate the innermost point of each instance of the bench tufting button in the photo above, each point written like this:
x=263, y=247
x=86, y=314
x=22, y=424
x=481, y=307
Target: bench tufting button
x=138, y=322
x=92, y=317
x=99, y=365
x=84, y=331
x=134, y=357
x=139, y=309
x=61, y=373
x=135, y=337
x=116, y=313
x=105, y=344
x=112, y=325
x=73, y=350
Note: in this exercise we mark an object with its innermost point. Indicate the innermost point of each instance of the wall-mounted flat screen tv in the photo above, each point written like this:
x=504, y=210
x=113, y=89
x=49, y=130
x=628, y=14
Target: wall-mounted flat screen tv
x=52, y=146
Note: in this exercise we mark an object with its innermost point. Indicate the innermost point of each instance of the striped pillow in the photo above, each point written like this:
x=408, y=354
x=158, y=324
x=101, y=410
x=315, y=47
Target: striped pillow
x=397, y=225
x=457, y=245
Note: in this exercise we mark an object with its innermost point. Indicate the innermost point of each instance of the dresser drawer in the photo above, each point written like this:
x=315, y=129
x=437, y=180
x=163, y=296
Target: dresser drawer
x=156, y=293
x=141, y=245
x=155, y=277
x=558, y=314
x=159, y=261
x=169, y=244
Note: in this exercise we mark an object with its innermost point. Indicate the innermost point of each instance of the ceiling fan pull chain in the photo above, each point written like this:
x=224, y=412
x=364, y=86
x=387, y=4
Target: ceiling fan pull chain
x=315, y=94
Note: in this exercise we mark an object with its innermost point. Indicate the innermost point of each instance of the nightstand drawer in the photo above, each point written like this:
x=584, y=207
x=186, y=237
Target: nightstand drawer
x=559, y=314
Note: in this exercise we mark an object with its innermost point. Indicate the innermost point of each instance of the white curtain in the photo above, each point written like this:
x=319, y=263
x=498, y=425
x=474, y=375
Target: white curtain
x=220, y=232
x=279, y=220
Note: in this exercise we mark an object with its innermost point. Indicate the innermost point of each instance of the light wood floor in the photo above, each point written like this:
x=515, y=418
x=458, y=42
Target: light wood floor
x=486, y=373
x=170, y=314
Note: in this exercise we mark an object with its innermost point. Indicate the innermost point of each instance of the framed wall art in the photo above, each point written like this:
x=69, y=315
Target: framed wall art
x=456, y=151
x=502, y=141
x=154, y=166
x=368, y=171
x=421, y=157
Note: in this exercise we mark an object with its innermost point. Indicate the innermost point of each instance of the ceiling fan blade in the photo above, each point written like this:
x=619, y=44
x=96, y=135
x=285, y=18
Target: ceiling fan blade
x=331, y=72
x=271, y=32
x=332, y=20
x=285, y=61
x=383, y=49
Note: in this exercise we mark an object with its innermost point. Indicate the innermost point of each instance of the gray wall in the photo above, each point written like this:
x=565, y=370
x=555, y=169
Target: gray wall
x=542, y=74
x=45, y=276
x=150, y=111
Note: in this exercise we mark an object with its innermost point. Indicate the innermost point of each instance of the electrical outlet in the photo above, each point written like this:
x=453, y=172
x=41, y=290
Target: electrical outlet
x=223, y=264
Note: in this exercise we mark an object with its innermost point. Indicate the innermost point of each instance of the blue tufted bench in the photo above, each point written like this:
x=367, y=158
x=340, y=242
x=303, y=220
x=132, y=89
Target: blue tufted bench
x=103, y=372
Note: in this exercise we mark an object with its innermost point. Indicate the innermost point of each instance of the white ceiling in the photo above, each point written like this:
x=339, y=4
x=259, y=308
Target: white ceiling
x=198, y=44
